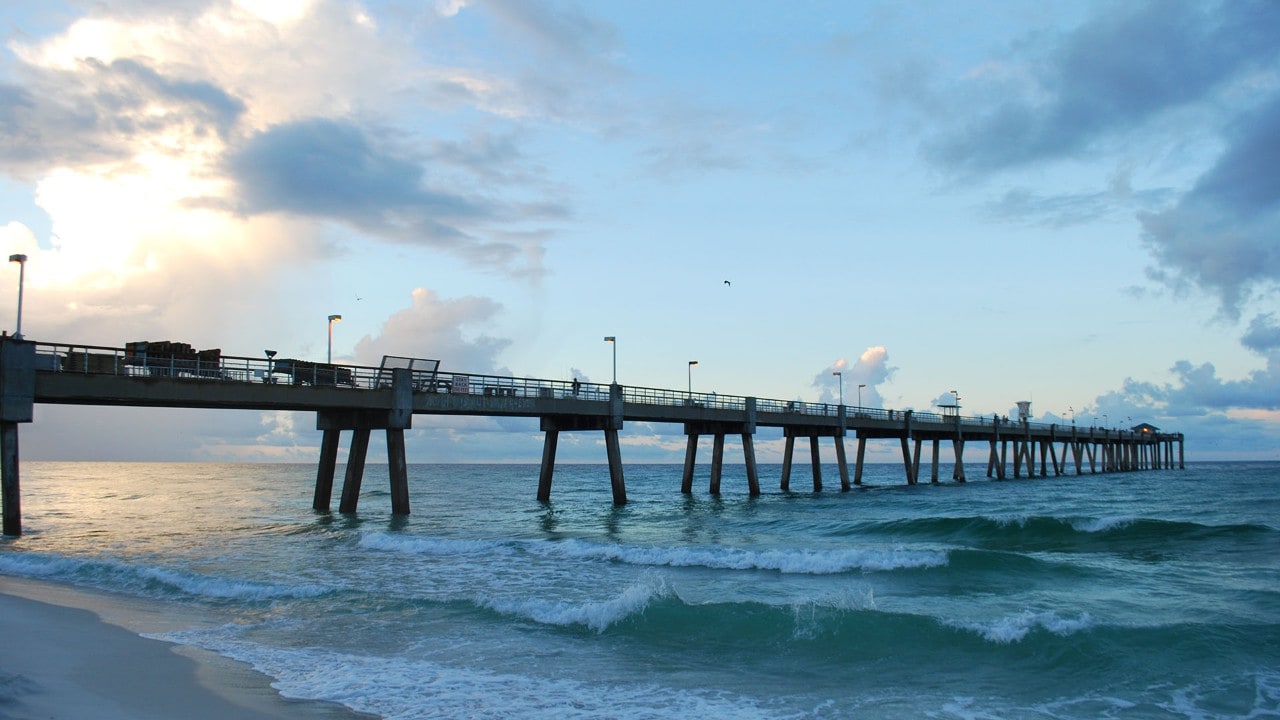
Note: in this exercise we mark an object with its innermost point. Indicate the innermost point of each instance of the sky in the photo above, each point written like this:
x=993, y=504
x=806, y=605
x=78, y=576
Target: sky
x=1071, y=203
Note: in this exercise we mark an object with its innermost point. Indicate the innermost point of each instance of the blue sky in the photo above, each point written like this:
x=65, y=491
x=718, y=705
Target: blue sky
x=1072, y=203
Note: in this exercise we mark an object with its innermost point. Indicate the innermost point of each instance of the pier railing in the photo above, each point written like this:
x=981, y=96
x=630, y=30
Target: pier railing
x=212, y=366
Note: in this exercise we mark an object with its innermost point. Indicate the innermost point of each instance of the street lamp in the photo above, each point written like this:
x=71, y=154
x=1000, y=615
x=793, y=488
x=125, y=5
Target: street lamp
x=862, y=385
x=840, y=376
x=614, y=342
x=332, y=320
x=957, y=396
x=271, y=354
x=691, y=364
x=22, y=267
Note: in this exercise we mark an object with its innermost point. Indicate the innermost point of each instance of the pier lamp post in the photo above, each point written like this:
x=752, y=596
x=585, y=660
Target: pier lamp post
x=956, y=394
x=271, y=354
x=614, y=342
x=22, y=267
x=840, y=376
x=860, y=386
x=332, y=319
x=1105, y=420
x=691, y=364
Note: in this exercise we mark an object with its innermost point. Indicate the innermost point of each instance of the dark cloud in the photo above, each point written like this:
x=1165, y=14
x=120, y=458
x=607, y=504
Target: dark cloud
x=1027, y=206
x=1263, y=335
x=339, y=171
x=202, y=102
x=1222, y=235
x=1112, y=75
x=1118, y=79
x=100, y=111
x=1199, y=391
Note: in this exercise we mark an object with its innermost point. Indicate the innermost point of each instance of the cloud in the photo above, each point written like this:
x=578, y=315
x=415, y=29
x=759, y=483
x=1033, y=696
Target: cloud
x=1221, y=236
x=1023, y=204
x=141, y=125
x=331, y=169
x=1197, y=391
x=1167, y=76
x=1263, y=335
x=1221, y=419
x=557, y=31
x=102, y=112
x=1127, y=66
x=433, y=328
x=870, y=369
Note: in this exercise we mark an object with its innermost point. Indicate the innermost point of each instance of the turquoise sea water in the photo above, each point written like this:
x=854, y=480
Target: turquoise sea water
x=1138, y=595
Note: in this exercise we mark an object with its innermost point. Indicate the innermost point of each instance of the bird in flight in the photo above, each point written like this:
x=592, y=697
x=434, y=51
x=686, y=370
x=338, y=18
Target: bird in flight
x=726, y=282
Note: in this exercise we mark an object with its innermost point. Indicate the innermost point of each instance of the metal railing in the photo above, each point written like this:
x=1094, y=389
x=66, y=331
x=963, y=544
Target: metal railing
x=99, y=360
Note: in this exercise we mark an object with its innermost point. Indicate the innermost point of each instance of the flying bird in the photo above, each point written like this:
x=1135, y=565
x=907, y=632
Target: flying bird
x=726, y=282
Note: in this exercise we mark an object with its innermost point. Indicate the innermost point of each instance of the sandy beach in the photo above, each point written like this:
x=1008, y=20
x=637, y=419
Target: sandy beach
x=72, y=654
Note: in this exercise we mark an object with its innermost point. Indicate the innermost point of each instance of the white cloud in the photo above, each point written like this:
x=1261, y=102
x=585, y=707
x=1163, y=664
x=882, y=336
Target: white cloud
x=434, y=328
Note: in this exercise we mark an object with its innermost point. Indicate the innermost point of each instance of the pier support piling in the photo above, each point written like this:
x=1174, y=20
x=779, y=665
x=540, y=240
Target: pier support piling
x=815, y=458
x=749, y=454
x=717, y=463
x=815, y=433
x=12, y=496
x=718, y=431
x=17, y=405
x=788, y=450
x=394, y=419
x=553, y=425
x=549, y=441
x=842, y=464
x=355, y=470
x=857, y=463
x=325, y=470
x=399, y=471
x=690, y=460
x=906, y=460
x=614, y=451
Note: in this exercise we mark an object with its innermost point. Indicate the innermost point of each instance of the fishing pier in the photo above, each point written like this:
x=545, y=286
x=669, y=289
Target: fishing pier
x=361, y=399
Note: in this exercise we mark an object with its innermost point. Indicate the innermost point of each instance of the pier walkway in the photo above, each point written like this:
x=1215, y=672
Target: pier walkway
x=361, y=399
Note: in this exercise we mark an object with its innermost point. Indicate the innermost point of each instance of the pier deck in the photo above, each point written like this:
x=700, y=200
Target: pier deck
x=361, y=399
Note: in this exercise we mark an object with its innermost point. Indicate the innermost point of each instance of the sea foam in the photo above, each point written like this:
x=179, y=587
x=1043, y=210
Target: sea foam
x=1014, y=628
x=417, y=545
x=806, y=562
x=597, y=615
x=400, y=688
x=149, y=581
x=1102, y=524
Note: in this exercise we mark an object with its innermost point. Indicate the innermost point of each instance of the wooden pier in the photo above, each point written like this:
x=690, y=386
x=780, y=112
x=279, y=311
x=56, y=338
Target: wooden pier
x=362, y=399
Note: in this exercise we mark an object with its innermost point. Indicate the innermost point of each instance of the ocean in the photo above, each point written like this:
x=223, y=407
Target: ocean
x=1138, y=595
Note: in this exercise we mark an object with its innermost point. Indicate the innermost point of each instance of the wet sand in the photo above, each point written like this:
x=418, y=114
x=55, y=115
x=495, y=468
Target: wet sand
x=69, y=654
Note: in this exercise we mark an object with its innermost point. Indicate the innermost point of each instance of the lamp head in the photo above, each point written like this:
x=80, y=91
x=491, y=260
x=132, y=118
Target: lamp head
x=18, y=258
x=334, y=318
